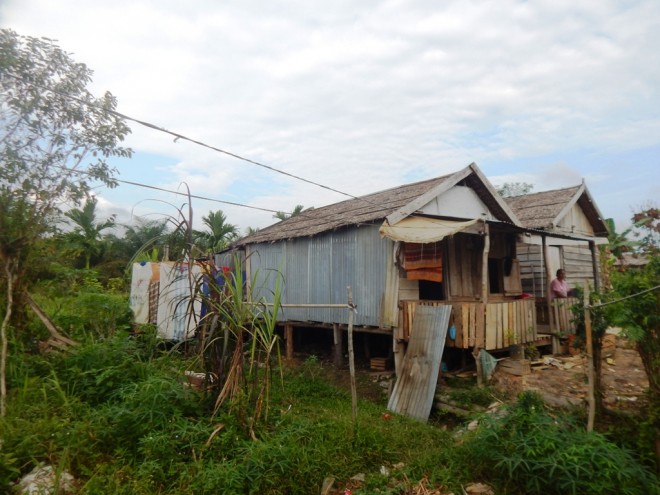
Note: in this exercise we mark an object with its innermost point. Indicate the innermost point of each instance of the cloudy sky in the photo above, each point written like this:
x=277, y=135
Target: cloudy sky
x=362, y=96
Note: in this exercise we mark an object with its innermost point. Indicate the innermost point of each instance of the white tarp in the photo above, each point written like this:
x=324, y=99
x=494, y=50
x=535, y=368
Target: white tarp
x=178, y=313
x=143, y=274
x=423, y=230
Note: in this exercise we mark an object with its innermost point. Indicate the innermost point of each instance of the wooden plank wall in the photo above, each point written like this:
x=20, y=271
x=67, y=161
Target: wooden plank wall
x=578, y=265
x=532, y=272
x=576, y=260
x=464, y=265
x=562, y=316
x=491, y=326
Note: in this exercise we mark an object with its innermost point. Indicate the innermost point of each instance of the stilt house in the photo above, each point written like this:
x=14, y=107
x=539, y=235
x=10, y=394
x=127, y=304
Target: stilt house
x=565, y=227
x=448, y=241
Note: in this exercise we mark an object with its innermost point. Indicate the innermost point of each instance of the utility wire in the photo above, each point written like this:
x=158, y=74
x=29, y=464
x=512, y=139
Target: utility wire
x=600, y=305
x=228, y=153
x=176, y=192
x=178, y=136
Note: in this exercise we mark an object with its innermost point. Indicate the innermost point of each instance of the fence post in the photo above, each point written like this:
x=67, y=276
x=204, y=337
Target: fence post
x=351, y=356
x=590, y=359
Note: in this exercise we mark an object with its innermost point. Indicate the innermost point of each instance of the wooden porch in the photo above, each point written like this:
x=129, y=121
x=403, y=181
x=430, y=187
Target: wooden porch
x=556, y=318
x=490, y=326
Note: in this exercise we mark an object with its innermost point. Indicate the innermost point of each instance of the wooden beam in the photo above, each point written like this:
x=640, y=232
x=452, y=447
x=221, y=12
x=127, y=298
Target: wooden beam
x=351, y=359
x=591, y=400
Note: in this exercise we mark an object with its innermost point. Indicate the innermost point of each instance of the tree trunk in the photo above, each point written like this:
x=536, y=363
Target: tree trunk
x=649, y=350
x=52, y=329
x=3, y=339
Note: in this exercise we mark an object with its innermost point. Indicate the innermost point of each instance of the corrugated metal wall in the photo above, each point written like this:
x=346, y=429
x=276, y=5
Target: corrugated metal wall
x=318, y=270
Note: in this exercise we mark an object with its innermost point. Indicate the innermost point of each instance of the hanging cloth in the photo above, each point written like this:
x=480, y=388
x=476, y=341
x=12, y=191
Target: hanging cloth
x=423, y=230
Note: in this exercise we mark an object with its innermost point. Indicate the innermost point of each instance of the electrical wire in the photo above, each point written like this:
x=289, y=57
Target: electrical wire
x=600, y=305
x=138, y=184
x=178, y=136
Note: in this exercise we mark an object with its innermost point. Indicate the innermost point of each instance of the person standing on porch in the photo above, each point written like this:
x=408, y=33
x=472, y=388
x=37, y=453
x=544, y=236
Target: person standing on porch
x=559, y=287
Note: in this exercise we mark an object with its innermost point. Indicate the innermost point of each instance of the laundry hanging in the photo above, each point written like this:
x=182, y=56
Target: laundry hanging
x=423, y=229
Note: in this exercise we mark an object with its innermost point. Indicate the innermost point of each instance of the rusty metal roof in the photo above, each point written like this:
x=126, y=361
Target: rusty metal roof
x=376, y=206
x=544, y=210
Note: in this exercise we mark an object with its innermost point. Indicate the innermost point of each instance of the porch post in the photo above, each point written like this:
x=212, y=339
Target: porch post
x=476, y=351
x=594, y=264
x=548, y=278
x=484, y=265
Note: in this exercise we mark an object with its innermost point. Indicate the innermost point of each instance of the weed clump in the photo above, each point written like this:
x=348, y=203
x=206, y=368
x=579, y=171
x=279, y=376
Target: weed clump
x=530, y=451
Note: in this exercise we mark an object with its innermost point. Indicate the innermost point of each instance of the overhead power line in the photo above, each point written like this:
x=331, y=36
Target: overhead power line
x=228, y=153
x=178, y=136
x=600, y=305
x=139, y=184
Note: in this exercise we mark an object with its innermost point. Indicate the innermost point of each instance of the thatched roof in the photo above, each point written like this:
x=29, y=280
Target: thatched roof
x=544, y=210
x=376, y=206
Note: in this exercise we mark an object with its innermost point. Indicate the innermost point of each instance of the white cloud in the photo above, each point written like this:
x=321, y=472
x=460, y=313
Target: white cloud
x=364, y=96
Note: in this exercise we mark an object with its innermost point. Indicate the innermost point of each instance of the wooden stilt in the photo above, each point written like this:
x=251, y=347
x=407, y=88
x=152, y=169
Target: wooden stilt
x=351, y=358
x=288, y=336
x=338, y=347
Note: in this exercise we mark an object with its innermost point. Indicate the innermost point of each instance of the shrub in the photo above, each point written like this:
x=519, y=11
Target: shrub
x=529, y=451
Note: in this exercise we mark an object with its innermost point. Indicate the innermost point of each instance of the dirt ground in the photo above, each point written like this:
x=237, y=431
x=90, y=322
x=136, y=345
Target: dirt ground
x=562, y=379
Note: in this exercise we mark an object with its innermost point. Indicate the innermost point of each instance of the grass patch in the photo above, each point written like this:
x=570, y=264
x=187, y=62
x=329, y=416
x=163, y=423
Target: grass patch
x=118, y=416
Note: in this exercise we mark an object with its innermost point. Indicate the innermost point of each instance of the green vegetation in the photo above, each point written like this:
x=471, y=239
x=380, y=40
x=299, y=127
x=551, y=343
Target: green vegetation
x=108, y=404
x=530, y=450
x=119, y=414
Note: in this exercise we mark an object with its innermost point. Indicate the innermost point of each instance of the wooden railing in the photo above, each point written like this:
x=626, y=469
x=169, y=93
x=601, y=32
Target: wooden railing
x=562, y=316
x=494, y=325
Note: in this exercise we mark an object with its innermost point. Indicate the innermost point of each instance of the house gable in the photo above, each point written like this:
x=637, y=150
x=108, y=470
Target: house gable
x=458, y=202
x=470, y=177
x=574, y=221
x=394, y=205
x=568, y=211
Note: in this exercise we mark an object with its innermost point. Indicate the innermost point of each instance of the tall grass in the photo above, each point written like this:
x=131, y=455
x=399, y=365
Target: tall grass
x=247, y=344
x=150, y=433
x=530, y=451
x=120, y=417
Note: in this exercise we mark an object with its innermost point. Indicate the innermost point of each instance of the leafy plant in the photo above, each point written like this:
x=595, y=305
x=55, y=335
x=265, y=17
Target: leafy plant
x=530, y=451
x=249, y=325
x=600, y=321
x=55, y=140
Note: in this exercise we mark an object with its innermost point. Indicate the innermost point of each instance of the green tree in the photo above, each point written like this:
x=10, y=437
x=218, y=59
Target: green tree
x=619, y=243
x=141, y=237
x=282, y=215
x=86, y=237
x=639, y=315
x=512, y=189
x=646, y=228
x=55, y=140
x=639, y=312
x=219, y=235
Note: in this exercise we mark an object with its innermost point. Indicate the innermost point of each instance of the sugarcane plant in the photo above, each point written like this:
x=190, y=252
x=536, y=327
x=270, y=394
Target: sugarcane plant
x=239, y=343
